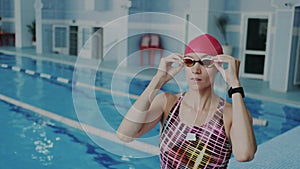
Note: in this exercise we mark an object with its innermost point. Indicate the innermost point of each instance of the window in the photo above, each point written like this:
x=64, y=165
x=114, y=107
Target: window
x=255, y=48
x=61, y=39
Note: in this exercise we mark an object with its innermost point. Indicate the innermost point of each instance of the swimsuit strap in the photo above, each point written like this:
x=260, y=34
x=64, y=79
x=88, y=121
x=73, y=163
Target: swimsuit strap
x=220, y=108
x=174, y=111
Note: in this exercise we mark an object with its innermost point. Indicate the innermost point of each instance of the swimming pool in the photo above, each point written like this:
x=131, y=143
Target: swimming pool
x=30, y=139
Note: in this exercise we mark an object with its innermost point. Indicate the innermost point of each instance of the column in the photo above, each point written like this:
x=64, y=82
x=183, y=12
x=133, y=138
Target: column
x=24, y=15
x=280, y=66
x=38, y=18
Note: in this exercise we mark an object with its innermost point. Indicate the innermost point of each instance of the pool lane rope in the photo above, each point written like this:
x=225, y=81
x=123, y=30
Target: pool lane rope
x=136, y=145
x=256, y=121
x=67, y=81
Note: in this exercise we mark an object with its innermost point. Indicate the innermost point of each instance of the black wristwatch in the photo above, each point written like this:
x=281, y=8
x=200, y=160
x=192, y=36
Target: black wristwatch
x=236, y=90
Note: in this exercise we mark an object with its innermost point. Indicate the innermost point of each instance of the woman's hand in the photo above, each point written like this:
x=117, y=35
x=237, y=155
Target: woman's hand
x=231, y=74
x=169, y=67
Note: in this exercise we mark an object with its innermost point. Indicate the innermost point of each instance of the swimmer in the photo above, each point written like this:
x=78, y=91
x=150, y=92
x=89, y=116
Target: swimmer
x=199, y=129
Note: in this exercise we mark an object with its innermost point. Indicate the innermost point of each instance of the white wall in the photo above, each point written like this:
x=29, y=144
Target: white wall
x=280, y=69
x=256, y=5
x=216, y=8
x=198, y=12
x=281, y=12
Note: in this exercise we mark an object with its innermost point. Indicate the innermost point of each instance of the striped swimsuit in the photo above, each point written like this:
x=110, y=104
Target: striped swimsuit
x=184, y=147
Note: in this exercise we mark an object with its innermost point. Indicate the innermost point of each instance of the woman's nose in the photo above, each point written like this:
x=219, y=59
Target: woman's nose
x=197, y=68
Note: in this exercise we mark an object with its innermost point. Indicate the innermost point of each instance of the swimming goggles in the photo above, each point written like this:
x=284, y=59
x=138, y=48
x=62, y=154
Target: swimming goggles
x=206, y=62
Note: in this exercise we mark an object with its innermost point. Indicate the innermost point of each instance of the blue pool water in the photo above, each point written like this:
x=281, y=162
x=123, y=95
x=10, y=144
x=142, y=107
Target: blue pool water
x=35, y=141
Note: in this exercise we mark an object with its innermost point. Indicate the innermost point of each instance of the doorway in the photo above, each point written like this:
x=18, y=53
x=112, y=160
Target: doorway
x=97, y=43
x=73, y=39
x=255, y=46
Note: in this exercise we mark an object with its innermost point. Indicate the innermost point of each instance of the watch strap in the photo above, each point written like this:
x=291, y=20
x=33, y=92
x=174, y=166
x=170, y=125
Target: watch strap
x=236, y=90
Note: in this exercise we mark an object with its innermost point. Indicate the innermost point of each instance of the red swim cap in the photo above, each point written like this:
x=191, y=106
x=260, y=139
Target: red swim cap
x=204, y=44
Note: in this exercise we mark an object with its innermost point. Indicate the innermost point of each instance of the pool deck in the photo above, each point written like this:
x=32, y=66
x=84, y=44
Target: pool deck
x=278, y=153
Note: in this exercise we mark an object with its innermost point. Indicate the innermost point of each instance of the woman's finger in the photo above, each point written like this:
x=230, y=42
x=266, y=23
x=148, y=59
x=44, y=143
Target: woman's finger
x=170, y=61
x=177, y=69
x=173, y=59
x=224, y=58
x=174, y=56
x=219, y=67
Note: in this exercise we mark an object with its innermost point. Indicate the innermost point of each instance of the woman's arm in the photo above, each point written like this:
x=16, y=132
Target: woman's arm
x=241, y=129
x=147, y=111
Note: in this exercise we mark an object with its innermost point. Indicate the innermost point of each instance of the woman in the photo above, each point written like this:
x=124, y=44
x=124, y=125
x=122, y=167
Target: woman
x=198, y=128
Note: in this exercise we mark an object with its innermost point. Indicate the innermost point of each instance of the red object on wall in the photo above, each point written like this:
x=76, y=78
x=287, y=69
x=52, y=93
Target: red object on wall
x=150, y=43
x=7, y=39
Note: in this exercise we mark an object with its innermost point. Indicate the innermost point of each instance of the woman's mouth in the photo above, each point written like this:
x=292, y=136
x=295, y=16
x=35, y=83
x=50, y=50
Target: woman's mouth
x=196, y=79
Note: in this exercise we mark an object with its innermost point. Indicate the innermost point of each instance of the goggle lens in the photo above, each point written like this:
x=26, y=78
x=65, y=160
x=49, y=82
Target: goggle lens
x=206, y=62
x=188, y=62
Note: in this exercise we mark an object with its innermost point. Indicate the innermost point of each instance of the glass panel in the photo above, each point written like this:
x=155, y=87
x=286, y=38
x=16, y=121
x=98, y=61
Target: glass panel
x=60, y=37
x=257, y=34
x=254, y=64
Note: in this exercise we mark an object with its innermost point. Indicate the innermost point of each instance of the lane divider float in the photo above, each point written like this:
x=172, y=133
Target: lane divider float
x=68, y=81
x=136, y=145
x=256, y=121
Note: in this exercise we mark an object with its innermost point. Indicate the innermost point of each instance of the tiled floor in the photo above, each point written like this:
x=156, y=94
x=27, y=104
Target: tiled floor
x=260, y=89
x=282, y=152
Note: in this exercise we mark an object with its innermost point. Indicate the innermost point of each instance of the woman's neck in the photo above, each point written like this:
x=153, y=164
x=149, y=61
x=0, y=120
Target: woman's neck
x=200, y=101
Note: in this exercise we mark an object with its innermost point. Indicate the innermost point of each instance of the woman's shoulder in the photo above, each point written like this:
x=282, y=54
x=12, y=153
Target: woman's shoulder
x=168, y=98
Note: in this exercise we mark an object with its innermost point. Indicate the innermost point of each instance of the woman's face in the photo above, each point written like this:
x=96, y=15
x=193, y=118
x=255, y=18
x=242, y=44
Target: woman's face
x=200, y=77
